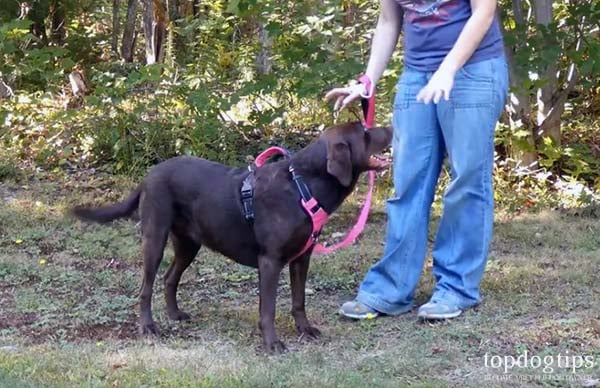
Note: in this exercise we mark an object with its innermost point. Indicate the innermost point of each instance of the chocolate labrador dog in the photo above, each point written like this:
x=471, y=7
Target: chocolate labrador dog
x=198, y=202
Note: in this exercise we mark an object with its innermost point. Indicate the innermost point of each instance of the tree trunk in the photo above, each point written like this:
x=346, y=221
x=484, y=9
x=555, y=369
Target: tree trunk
x=174, y=42
x=5, y=90
x=350, y=8
x=196, y=8
x=520, y=119
x=37, y=14
x=155, y=27
x=57, y=25
x=173, y=8
x=264, y=63
x=545, y=105
x=519, y=116
x=519, y=105
x=116, y=25
x=129, y=35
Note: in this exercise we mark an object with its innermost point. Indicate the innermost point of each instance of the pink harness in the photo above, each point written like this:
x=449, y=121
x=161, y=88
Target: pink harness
x=318, y=215
x=310, y=204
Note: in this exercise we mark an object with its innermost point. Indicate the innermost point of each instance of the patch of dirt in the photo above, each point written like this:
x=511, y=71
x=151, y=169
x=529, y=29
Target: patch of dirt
x=591, y=211
x=122, y=331
x=16, y=321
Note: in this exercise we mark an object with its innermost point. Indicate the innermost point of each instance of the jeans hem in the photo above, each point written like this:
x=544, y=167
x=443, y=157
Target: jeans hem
x=381, y=306
x=451, y=298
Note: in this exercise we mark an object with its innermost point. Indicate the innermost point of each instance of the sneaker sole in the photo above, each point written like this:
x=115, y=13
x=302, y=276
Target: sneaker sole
x=361, y=316
x=426, y=316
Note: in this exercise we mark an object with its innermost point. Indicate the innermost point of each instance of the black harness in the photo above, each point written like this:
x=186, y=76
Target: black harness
x=247, y=190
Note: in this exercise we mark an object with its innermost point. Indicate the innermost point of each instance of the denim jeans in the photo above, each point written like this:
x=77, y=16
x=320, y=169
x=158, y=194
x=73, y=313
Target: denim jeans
x=463, y=129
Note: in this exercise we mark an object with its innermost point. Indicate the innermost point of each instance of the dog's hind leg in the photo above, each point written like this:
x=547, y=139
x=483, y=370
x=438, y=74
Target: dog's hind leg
x=156, y=223
x=185, y=252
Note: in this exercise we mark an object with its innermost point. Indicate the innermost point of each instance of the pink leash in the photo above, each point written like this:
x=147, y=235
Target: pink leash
x=368, y=105
x=357, y=229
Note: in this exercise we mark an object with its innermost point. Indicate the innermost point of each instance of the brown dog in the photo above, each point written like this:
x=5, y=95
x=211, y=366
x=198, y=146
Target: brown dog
x=198, y=202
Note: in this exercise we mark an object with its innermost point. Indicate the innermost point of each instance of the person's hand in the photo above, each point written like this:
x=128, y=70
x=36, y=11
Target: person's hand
x=344, y=96
x=438, y=87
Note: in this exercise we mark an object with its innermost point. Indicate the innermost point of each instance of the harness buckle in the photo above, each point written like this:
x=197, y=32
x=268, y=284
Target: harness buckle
x=315, y=208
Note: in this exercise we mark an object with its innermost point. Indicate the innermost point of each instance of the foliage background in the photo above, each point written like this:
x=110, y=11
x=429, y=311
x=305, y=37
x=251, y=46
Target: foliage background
x=230, y=77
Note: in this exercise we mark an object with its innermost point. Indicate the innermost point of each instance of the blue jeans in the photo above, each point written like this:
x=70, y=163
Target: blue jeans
x=462, y=128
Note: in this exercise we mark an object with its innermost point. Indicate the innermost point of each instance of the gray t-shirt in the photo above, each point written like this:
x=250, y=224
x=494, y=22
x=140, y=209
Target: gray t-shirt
x=431, y=27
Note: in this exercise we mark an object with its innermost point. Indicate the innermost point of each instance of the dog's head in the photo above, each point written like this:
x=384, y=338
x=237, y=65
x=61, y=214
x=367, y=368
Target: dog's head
x=352, y=149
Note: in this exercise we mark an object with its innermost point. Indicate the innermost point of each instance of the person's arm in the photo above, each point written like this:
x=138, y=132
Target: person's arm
x=473, y=32
x=385, y=38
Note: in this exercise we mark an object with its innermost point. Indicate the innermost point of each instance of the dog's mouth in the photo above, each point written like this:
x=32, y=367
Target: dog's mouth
x=378, y=162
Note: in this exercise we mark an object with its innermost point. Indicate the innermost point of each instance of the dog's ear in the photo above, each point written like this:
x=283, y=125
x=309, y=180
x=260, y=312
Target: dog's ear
x=339, y=163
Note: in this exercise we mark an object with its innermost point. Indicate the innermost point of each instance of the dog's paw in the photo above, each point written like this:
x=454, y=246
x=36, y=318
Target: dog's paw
x=149, y=329
x=309, y=332
x=179, y=316
x=276, y=347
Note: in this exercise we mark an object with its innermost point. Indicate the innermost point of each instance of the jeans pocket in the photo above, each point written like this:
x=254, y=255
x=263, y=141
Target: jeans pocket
x=400, y=102
x=409, y=85
x=405, y=95
x=473, y=86
x=478, y=72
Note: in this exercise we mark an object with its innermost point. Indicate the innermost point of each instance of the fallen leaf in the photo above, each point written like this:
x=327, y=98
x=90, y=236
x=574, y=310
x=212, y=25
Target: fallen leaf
x=118, y=365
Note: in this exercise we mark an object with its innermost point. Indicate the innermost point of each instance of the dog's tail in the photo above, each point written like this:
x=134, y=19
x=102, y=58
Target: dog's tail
x=104, y=214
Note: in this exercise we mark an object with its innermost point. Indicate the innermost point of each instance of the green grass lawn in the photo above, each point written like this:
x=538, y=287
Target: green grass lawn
x=68, y=307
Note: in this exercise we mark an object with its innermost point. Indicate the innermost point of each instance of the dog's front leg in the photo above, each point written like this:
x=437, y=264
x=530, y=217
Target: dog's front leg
x=269, y=269
x=298, y=272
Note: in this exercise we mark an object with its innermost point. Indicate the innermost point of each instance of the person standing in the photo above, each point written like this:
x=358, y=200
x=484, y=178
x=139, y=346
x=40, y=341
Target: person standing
x=448, y=100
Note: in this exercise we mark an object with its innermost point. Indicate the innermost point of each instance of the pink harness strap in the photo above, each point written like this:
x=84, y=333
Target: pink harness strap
x=262, y=158
x=319, y=219
x=318, y=215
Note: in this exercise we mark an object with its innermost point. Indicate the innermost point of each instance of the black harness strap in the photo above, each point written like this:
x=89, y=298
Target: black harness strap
x=247, y=192
x=302, y=187
x=248, y=197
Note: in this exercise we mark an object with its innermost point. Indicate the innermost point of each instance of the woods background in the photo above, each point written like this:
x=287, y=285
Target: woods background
x=120, y=85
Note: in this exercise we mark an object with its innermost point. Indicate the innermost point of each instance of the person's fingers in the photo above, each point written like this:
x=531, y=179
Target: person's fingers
x=335, y=92
x=437, y=96
x=339, y=102
x=447, y=94
x=351, y=97
x=424, y=95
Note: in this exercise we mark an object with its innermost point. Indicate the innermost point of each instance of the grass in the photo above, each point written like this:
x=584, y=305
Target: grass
x=68, y=306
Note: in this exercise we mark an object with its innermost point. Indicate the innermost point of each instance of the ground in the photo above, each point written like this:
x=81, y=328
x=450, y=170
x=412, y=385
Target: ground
x=68, y=306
